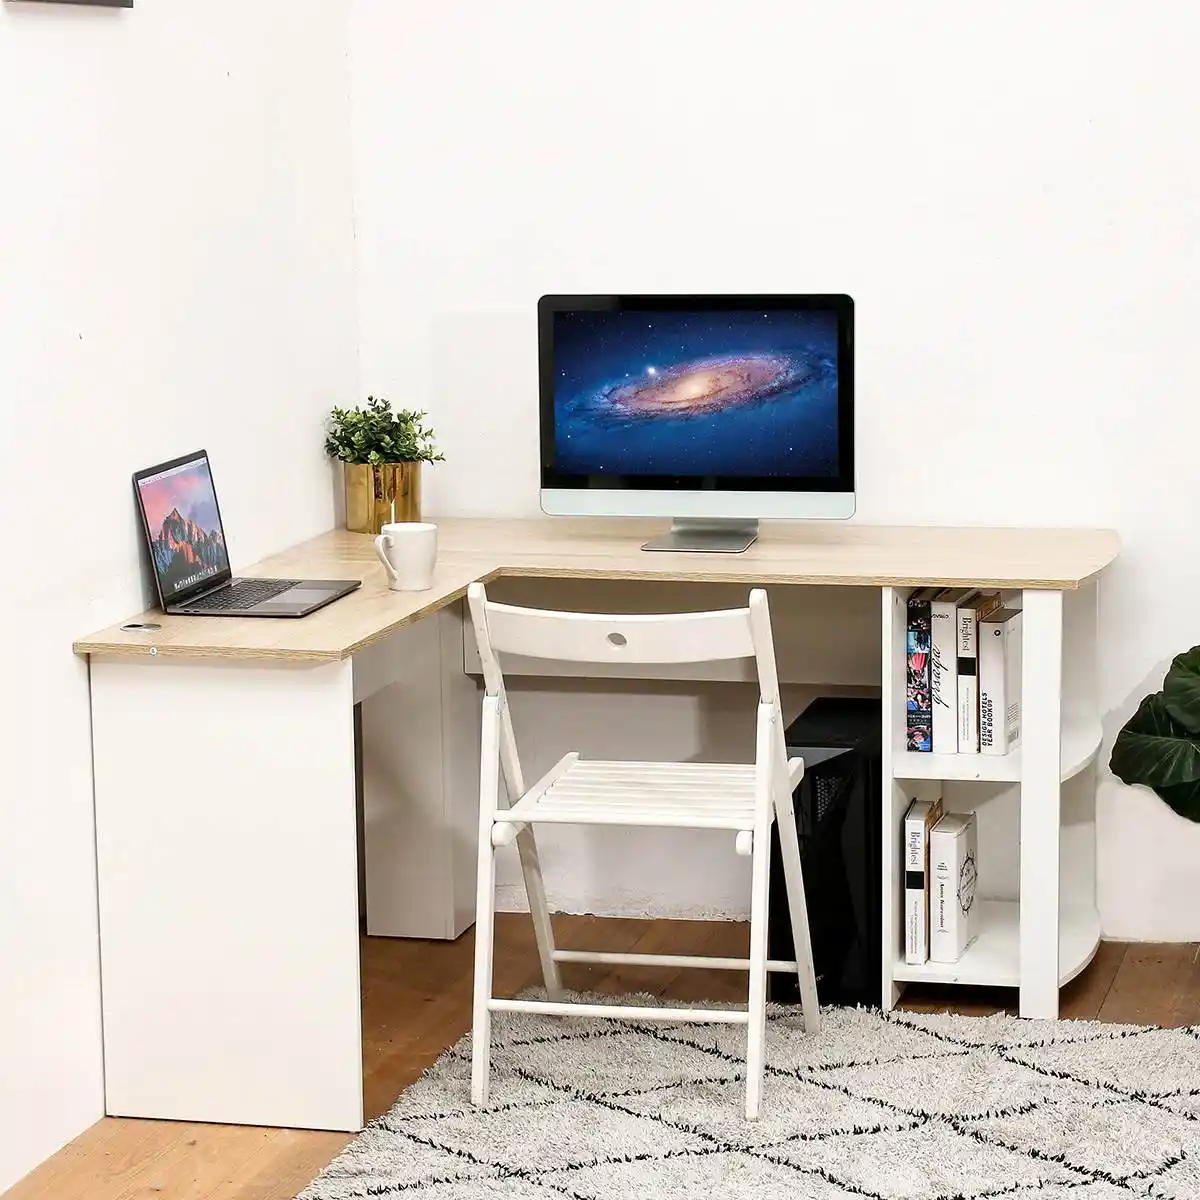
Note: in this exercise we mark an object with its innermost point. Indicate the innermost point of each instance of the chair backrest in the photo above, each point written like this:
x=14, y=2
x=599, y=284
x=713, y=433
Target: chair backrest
x=661, y=638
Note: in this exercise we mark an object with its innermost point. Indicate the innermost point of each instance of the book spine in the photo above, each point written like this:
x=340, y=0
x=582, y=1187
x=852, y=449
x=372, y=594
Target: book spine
x=919, y=714
x=967, y=637
x=967, y=619
x=993, y=688
x=943, y=676
x=966, y=883
x=916, y=917
x=953, y=865
x=943, y=903
x=1012, y=679
x=920, y=818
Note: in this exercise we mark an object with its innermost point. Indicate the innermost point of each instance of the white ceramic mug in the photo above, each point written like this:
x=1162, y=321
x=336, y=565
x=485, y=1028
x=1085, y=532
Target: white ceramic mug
x=408, y=550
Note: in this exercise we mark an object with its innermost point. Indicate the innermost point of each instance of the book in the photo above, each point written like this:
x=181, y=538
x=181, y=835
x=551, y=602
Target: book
x=943, y=667
x=918, y=707
x=967, y=616
x=920, y=818
x=953, y=868
x=1000, y=681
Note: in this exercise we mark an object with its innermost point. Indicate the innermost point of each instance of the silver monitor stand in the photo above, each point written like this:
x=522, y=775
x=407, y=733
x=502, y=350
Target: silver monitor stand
x=711, y=535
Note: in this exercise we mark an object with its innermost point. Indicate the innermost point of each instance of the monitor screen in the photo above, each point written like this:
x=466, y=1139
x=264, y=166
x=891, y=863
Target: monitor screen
x=183, y=525
x=736, y=393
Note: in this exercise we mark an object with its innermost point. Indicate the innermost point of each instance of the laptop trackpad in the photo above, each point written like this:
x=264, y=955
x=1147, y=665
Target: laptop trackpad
x=293, y=598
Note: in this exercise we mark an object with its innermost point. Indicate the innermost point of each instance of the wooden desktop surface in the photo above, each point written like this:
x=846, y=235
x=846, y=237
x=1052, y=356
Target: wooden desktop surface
x=486, y=548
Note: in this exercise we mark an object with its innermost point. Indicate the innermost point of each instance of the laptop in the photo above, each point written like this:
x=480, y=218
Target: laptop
x=178, y=503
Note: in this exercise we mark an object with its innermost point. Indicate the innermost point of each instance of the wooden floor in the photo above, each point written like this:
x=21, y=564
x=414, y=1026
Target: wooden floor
x=417, y=1002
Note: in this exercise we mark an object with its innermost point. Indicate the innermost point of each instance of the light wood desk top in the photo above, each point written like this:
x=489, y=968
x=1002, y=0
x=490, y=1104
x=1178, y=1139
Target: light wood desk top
x=484, y=549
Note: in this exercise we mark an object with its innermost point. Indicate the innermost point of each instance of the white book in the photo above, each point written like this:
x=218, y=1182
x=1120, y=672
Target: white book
x=1000, y=681
x=943, y=667
x=953, y=866
x=921, y=817
x=966, y=621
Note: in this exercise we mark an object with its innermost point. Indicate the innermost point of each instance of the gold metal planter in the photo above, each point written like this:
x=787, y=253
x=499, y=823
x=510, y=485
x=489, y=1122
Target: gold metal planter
x=377, y=495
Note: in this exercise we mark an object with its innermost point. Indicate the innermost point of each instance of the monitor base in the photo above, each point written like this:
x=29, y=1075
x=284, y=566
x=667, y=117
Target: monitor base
x=711, y=536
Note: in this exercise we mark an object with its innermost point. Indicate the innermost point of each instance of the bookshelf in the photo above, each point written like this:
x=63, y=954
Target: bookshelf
x=1042, y=927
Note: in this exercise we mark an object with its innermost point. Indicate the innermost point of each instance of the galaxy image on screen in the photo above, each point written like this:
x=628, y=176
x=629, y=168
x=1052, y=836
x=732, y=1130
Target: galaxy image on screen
x=696, y=393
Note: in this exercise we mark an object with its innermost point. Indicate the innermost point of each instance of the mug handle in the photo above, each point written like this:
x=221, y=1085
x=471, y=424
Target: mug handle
x=380, y=542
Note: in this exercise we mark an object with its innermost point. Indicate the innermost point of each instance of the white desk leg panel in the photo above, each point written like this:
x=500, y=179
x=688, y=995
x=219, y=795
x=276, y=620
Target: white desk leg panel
x=420, y=749
x=1041, y=717
x=228, y=893
x=895, y=798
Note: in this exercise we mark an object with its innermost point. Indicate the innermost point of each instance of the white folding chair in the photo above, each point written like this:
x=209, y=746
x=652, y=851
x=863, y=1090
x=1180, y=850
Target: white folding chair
x=743, y=799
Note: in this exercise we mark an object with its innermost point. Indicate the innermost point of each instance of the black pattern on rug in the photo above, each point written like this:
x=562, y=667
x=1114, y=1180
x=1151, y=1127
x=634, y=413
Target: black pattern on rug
x=898, y=1106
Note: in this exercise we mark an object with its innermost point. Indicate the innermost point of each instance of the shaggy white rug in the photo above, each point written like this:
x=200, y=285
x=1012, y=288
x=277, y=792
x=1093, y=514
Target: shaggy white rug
x=888, y=1107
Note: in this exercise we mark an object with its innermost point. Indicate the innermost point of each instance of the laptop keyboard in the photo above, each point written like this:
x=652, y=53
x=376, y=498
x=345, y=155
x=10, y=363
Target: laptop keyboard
x=242, y=593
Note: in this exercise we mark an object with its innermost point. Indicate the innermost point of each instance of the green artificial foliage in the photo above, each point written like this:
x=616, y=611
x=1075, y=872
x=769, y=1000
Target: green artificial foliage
x=1160, y=744
x=375, y=435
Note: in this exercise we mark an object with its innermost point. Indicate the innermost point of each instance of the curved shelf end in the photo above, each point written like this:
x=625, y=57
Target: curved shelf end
x=1078, y=940
x=1081, y=741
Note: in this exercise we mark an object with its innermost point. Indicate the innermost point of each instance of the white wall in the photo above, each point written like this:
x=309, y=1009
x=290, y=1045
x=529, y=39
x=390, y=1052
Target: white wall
x=1012, y=196
x=176, y=270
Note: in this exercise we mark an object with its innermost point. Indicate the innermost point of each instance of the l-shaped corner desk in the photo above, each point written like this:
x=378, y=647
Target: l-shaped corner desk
x=225, y=771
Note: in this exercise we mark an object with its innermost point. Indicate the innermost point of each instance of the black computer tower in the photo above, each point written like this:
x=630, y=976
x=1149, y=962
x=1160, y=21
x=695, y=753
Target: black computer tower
x=838, y=815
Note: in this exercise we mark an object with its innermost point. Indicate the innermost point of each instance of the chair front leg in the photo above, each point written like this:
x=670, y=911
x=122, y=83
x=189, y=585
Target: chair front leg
x=793, y=875
x=485, y=900
x=757, y=1000
x=543, y=931
x=531, y=868
x=481, y=1023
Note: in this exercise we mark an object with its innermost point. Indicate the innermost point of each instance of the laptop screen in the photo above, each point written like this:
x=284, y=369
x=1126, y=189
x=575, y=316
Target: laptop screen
x=183, y=526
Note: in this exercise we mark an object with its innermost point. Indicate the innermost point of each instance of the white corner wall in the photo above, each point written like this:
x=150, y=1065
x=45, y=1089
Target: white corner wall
x=1011, y=194
x=176, y=270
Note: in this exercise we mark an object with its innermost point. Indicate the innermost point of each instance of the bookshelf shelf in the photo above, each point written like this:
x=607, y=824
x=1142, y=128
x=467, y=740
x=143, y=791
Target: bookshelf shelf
x=1049, y=851
x=1080, y=744
x=993, y=959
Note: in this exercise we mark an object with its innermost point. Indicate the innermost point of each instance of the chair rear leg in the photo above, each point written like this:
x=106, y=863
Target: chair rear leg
x=543, y=931
x=757, y=1005
x=789, y=845
x=485, y=919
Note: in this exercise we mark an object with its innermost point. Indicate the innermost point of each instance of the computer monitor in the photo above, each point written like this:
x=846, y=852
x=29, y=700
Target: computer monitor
x=715, y=411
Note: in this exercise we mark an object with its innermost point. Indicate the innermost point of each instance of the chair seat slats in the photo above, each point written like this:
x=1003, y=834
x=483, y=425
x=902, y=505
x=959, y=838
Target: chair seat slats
x=678, y=795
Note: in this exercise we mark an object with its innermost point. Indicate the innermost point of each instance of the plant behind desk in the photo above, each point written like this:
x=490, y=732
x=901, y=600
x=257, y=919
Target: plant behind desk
x=382, y=451
x=1159, y=746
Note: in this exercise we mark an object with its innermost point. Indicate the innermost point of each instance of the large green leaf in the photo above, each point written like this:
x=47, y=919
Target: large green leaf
x=1184, y=798
x=1155, y=749
x=1181, y=689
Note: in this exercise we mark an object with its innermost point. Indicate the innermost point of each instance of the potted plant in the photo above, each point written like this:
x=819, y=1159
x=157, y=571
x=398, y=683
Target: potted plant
x=382, y=452
x=1159, y=745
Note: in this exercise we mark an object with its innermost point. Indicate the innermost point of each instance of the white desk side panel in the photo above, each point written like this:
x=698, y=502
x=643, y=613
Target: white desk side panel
x=225, y=822
x=420, y=746
x=1041, y=801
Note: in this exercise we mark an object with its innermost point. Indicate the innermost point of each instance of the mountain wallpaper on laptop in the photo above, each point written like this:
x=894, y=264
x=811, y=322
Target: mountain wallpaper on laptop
x=186, y=541
x=183, y=550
